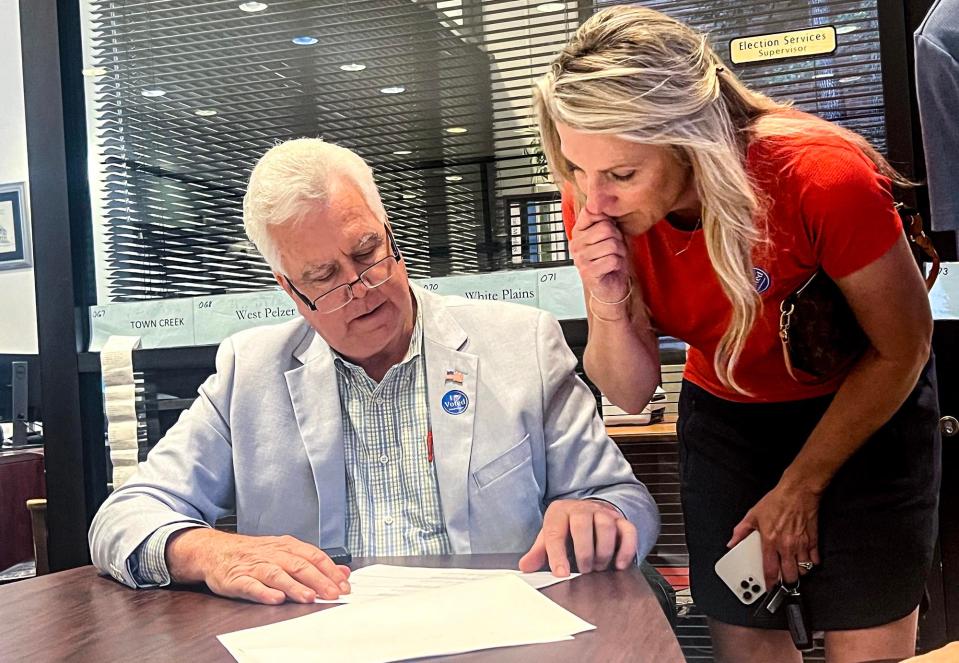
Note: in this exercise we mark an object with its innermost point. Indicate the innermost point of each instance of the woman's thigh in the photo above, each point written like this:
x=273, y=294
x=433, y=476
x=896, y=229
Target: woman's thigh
x=894, y=640
x=739, y=644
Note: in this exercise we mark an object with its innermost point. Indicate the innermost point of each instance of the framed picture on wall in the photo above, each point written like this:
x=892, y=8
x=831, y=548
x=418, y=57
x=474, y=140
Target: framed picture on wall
x=15, y=251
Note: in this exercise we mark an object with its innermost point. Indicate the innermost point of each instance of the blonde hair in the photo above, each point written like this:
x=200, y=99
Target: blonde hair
x=639, y=74
x=294, y=177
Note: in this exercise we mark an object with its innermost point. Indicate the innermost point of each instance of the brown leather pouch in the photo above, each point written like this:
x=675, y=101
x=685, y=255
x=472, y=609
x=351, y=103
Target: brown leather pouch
x=820, y=335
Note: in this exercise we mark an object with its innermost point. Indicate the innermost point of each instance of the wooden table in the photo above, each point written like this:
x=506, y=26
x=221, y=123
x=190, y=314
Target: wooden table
x=79, y=616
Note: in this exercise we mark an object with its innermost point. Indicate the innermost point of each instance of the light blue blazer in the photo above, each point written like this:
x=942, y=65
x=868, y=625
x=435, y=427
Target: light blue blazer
x=264, y=439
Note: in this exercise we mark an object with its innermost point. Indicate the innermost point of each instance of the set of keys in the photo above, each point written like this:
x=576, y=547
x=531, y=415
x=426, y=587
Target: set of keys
x=787, y=597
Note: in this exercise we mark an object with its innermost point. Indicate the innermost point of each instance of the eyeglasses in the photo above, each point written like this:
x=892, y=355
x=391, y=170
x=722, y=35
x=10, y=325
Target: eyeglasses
x=373, y=276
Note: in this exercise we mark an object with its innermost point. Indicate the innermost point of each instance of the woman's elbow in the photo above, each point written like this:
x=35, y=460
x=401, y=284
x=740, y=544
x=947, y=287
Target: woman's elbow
x=630, y=403
x=631, y=398
x=914, y=350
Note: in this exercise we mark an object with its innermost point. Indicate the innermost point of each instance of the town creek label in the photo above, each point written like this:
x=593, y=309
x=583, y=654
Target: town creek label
x=160, y=323
x=779, y=45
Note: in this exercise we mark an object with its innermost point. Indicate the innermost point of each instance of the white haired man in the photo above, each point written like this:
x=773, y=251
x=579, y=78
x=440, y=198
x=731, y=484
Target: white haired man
x=388, y=420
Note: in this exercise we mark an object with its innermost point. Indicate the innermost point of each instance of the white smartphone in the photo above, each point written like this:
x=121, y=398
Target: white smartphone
x=742, y=569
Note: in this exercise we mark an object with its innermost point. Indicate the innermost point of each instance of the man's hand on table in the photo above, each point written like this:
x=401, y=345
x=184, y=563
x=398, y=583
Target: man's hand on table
x=602, y=538
x=265, y=569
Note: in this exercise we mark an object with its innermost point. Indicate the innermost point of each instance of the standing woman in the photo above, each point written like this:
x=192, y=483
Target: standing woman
x=694, y=206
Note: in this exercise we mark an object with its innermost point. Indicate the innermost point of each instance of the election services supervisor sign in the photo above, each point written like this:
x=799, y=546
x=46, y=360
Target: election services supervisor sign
x=779, y=45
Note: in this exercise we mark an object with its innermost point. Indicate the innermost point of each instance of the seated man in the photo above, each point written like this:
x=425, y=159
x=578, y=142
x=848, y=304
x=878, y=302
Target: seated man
x=388, y=420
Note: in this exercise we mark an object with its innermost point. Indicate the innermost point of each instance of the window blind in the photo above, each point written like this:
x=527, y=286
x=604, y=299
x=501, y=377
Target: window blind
x=187, y=94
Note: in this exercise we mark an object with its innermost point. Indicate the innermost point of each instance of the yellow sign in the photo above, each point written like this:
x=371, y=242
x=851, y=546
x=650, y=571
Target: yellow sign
x=793, y=44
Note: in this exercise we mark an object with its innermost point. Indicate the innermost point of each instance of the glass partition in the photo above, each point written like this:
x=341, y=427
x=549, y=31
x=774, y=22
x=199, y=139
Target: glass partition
x=185, y=95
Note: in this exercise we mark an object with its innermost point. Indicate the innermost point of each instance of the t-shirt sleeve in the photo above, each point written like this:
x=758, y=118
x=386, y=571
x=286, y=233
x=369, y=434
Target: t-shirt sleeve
x=847, y=208
x=569, y=209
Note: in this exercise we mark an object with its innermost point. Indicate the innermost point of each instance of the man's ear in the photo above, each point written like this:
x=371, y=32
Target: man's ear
x=297, y=302
x=283, y=284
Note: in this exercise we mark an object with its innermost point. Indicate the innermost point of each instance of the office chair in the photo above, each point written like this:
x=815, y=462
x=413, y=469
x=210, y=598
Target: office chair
x=38, y=519
x=664, y=592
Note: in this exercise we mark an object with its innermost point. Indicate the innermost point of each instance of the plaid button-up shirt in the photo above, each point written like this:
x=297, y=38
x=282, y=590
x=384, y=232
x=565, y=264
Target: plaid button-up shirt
x=392, y=501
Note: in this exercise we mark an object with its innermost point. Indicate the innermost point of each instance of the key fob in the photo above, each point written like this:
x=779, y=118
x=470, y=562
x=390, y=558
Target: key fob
x=798, y=621
x=773, y=602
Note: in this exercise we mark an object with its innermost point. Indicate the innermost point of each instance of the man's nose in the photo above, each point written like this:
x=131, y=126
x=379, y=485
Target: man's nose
x=359, y=288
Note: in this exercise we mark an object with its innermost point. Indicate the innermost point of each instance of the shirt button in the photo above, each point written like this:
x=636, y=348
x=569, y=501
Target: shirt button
x=388, y=520
x=384, y=459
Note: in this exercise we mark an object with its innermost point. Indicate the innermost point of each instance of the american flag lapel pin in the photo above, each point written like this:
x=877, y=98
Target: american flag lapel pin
x=455, y=377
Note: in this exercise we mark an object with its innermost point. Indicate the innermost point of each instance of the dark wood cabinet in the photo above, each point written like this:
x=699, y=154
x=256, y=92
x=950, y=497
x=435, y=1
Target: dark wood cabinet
x=21, y=478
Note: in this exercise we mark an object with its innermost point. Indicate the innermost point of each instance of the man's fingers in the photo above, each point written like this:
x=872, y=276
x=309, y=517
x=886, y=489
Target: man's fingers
x=581, y=531
x=322, y=562
x=535, y=558
x=555, y=530
x=604, y=536
x=628, y=544
x=307, y=573
x=276, y=577
x=247, y=587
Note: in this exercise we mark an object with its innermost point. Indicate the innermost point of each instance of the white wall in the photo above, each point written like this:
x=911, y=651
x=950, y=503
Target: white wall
x=18, y=311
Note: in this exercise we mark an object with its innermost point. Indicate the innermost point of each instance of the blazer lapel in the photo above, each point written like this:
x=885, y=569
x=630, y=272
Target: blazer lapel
x=316, y=402
x=452, y=423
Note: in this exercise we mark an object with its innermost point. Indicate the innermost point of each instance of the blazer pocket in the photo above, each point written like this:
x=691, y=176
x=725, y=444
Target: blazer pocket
x=518, y=454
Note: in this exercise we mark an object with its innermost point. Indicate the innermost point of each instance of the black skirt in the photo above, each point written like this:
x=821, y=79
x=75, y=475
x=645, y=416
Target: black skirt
x=877, y=519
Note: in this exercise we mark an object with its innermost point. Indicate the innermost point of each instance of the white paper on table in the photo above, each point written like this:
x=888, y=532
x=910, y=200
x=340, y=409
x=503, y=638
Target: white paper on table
x=497, y=611
x=380, y=581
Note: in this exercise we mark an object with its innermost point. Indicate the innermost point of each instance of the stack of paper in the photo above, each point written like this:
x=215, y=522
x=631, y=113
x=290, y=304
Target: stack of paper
x=652, y=414
x=380, y=581
x=497, y=611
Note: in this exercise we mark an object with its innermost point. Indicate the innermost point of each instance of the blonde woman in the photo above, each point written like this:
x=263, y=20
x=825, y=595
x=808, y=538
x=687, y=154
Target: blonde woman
x=694, y=206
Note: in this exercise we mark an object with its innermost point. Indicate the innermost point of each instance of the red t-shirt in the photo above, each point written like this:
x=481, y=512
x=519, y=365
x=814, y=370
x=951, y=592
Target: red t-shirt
x=829, y=207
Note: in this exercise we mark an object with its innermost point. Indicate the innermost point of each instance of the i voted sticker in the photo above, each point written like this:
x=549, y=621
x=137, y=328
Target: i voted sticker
x=455, y=402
